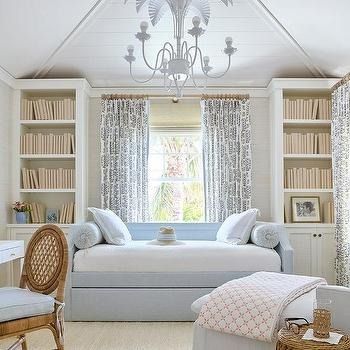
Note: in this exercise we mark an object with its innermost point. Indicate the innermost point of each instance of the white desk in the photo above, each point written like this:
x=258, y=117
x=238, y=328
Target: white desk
x=12, y=251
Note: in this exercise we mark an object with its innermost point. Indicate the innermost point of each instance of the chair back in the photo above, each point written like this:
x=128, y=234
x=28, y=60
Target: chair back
x=45, y=262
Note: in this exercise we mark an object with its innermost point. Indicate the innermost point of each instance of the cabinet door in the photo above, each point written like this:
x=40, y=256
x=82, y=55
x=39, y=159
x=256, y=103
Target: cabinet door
x=326, y=251
x=302, y=241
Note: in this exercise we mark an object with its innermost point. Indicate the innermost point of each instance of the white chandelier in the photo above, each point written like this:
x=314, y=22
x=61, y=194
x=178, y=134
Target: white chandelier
x=176, y=62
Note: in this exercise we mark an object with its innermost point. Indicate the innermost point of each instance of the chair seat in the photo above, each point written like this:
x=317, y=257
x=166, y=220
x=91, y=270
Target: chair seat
x=18, y=303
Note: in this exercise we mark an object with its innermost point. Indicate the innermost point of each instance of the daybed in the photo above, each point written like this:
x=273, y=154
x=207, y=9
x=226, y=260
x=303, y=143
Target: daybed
x=145, y=282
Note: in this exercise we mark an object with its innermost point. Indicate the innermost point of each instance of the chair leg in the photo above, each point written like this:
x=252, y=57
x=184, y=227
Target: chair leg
x=24, y=342
x=57, y=338
x=20, y=341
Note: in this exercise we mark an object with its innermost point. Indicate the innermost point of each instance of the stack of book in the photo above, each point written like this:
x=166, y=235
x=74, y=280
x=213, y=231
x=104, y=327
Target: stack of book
x=328, y=212
x=47, y=144
x=67, y=213
x=43, y=178
x=45, y=109
x=37, y=213
x=309, y=143
x=313, y=108
x=308, y=178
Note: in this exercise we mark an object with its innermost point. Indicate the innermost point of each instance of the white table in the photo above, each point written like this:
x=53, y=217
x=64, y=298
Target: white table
x=12, y=251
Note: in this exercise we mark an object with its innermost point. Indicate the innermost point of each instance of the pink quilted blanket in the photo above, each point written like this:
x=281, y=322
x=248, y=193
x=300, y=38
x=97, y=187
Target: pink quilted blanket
x=251, y=306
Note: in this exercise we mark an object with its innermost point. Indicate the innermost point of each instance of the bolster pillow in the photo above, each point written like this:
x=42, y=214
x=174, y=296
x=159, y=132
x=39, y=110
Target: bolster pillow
x=266, y=236
x=86, y=235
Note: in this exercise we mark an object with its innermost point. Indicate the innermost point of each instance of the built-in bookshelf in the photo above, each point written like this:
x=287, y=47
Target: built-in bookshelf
x=309, y=173
x=301, y=163
x=50, y=136
x=301, y=130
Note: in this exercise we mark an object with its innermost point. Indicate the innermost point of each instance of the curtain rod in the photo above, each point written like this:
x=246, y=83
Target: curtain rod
x=121, y=96
x=226, y=97
x=201, y=96
x=341, y=82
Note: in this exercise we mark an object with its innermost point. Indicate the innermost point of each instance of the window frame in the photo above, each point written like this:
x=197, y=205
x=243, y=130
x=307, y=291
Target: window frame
x=179, y=131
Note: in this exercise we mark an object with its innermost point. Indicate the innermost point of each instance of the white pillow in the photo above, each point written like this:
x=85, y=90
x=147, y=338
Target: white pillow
x=237, y=227
x=113, y=228
x=86, y=235
x=265, y=235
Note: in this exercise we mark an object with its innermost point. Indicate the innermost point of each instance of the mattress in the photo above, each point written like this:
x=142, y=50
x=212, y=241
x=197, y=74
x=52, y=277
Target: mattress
x=186, y=256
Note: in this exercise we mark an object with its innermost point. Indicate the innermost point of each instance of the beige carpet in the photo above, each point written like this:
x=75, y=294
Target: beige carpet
x=116, y=336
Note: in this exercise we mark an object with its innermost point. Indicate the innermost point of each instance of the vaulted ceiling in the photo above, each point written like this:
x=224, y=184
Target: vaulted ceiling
x=88, y=38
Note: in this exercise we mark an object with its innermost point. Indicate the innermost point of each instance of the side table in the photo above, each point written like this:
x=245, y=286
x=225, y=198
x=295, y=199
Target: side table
x=12, y=251
x=288, y=340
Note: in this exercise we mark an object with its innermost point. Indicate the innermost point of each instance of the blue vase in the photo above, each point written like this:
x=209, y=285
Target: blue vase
x=21, y=218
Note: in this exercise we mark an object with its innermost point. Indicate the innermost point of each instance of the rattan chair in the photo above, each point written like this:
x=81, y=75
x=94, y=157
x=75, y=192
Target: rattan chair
x=44, y=272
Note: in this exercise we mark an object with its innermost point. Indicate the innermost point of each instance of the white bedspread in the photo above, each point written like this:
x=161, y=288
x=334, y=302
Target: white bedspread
x=192, y=256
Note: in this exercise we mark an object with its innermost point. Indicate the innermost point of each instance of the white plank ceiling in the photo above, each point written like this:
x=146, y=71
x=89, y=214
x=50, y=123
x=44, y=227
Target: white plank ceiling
x=85, y=38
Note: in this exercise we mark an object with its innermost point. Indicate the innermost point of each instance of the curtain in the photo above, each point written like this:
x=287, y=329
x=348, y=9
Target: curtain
x=226, y=155
x=341, y=177
x=124, y=157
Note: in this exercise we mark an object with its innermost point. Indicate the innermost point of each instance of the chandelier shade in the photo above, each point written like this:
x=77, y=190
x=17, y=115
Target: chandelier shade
x=176, y=61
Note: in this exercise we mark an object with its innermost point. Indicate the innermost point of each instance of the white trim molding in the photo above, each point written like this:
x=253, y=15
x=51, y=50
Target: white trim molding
x=6, y=77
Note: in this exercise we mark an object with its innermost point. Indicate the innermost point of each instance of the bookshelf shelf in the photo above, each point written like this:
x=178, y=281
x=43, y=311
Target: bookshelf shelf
x=307, y=156
x=50, y=124
x=306, y=123
x=36, y=226
x=308, y=190
x=47, y=190
x=47, y=156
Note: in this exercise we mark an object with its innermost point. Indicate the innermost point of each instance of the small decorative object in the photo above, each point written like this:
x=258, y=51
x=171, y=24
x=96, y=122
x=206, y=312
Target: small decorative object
x=51, y=216
x=166, y=234
x=306, y=209
x=322, y=318
x=21, y=209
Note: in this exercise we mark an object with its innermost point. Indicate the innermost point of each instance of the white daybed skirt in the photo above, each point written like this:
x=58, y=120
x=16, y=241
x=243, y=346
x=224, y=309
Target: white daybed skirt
x=207, y=339
x=191, y=256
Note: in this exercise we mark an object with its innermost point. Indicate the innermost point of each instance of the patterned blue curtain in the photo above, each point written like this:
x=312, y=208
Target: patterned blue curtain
x=124, y=157
x=341, y=177
x=226, y=155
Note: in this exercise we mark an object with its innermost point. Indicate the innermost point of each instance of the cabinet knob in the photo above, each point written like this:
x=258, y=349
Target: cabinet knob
x=314, y=235
x=319, y=235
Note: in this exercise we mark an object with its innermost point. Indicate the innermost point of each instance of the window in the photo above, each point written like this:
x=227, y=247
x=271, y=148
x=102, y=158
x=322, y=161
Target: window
x=176, y=188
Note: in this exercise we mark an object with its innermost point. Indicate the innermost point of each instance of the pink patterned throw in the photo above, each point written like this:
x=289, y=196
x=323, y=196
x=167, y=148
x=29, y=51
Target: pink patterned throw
x=251, y=306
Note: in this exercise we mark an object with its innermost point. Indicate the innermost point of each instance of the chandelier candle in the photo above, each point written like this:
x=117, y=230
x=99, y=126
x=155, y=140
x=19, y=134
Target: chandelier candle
x=176, y=62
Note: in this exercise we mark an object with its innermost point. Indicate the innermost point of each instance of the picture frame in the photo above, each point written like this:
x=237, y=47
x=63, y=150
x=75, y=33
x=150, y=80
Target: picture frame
x=306, y=209
x=51, y=215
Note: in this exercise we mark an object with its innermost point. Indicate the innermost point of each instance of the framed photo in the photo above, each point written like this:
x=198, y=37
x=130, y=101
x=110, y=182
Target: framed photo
x=51, y=216
x=306, y=209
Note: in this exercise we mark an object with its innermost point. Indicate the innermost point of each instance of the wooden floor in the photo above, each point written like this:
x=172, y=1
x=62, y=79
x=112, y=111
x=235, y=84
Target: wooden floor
x=116, y=336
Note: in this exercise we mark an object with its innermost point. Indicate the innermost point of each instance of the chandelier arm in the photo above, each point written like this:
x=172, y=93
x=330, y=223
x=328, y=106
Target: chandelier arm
x=163, y=50
x=214, y=76
x=195, y=54
x=184, y=52
x=201, y=88
x=140, y=81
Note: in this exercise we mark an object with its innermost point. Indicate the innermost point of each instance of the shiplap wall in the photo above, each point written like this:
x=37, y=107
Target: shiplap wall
x=5, y=157
x=260, y=149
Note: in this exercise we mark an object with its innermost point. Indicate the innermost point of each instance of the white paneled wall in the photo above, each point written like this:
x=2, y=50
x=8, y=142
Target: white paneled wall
x=260, y=154
x=261, y=148
x=5, y=158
